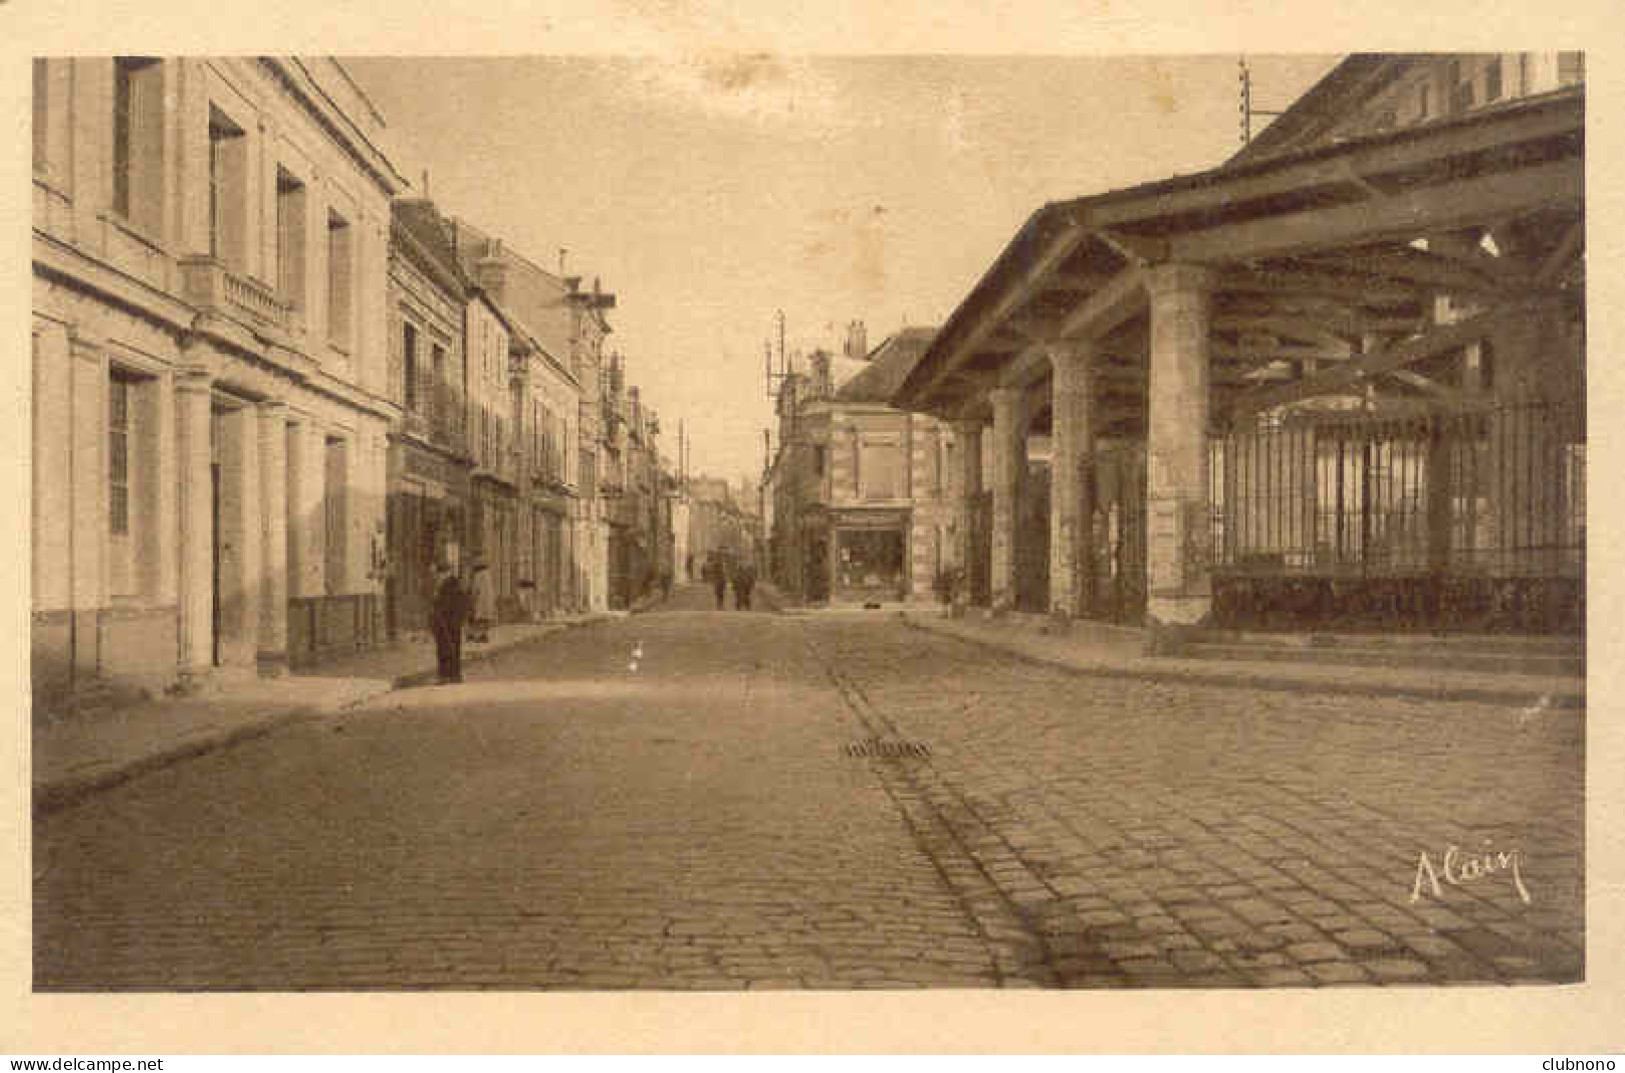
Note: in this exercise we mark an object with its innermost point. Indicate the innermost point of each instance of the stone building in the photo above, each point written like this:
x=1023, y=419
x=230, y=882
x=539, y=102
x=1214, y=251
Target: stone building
x=568, y=325
x=210, y=380
x=428, y=460
x=860, y=488
x=550, y=397
x=497, y=353
x=1338, y=379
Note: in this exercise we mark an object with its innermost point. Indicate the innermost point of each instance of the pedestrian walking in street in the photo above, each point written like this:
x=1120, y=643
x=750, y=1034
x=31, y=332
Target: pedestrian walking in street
x=744, y=582
x=665, y=584
x=446, y=619
x=484, y=604
x=719, y=581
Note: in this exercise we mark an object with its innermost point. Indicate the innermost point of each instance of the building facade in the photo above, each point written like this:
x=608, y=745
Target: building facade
x=429, y=463
x=551, y=400
x=861, y=490
x=497, y=356
x=569, y=325
x=210, y=376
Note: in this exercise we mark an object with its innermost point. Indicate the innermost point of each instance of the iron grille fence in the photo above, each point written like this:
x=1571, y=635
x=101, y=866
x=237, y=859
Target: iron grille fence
x=1494, y=492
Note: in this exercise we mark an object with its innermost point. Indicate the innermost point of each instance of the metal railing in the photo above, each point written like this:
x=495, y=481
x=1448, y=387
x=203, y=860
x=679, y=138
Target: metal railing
x=1496, y=491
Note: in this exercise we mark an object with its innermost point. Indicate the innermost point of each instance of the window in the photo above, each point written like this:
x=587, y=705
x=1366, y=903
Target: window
x=339, y=268
x=1459, y=88
x=118, y=455
x=290, y=238
x=138, y=141
x=409, y=366
x=882, y=470
x=1423, y=101
x=1492, y=80
x=589, y=472
x=228, y=191
x=438, y=404
x=41, y=116
x=334, y=515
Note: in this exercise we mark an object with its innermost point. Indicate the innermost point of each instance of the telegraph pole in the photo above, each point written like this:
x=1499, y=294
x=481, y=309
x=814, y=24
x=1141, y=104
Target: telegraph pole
x=1245, y=78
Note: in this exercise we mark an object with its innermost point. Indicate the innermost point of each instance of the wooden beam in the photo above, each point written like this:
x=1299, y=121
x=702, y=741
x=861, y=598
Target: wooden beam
x=1567, y=249
x=1443, y=392
x=1076, y=281
x=1403, y=353
x=1030, y=283
x=1110, y=306
x=1134, y=249
x=1445, y=206
x=1097, y=314
x=1427, y=271
x=1253, y=182
x=1337, y=286
x=1303, y=328
x=1254, y=355
x=1355, y=179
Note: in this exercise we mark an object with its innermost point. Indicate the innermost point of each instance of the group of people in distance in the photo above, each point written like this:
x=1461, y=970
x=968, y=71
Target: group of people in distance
x=720, y=570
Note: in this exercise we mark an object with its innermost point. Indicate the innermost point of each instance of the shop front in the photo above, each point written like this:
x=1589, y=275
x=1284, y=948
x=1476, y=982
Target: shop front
x=868, y=553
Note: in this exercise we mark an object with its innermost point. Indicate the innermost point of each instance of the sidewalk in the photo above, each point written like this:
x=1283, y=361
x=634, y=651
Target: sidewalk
x=1117, y=652
x=78, y=755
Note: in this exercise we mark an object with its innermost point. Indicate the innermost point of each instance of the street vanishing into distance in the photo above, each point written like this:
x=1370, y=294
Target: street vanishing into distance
x=692, y=799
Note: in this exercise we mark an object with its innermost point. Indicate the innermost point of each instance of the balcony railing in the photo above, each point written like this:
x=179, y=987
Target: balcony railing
x=207, y=284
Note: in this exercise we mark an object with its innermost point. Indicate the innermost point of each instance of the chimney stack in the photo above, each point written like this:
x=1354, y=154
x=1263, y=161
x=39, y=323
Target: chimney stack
x=857, y=343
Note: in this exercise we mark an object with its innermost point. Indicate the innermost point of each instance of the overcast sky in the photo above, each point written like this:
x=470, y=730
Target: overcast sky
x=709, y=192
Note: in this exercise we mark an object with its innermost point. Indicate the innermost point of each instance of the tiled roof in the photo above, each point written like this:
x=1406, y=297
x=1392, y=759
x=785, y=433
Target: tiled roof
x=889, y=365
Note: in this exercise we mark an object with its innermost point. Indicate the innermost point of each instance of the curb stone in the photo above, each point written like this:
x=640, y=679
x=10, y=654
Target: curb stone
x=53, y=797
x=1370, y=687
x=70, y=790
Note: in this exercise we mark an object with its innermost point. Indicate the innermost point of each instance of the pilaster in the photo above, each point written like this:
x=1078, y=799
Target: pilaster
x=88, y=513
x=272, y=645
x=241, y=528
x=196, y=486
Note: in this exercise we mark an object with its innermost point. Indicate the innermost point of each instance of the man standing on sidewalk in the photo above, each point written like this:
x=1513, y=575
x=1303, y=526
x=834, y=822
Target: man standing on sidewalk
x=449, y=614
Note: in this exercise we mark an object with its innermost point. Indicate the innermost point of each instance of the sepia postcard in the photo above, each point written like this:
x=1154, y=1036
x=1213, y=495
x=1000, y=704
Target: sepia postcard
x=725, y=530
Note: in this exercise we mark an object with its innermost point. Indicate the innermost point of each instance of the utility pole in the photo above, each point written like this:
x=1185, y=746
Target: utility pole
x=1245, y=78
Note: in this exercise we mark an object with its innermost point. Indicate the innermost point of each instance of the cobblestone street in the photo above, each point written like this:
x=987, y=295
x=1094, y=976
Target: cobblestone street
x=698, y=800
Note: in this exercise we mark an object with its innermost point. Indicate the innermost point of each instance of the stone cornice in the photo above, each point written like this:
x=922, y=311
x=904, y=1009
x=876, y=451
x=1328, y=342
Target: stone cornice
x=291, y=75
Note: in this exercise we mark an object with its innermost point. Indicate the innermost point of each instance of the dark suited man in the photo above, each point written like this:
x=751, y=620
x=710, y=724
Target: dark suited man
x=449, y=614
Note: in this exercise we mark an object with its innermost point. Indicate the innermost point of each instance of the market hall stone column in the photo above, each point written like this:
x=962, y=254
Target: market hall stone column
x=193, y=449
x=1179, y=580
x=1072, y=507
x=1009, y=455
x=968, y=435
x=272, y=653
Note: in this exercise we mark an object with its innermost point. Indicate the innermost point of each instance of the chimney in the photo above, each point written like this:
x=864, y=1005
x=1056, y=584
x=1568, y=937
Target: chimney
x=857, y=343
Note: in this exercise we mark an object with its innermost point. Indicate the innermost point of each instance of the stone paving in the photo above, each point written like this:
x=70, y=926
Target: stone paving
x=1161, y=834
x=690, y=799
